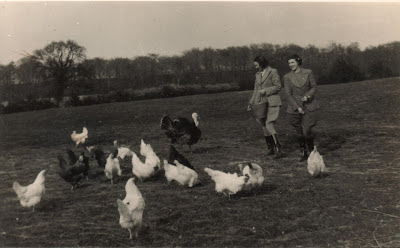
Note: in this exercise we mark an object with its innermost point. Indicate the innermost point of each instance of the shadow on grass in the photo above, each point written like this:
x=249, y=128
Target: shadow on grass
x=320, y=176
x=158, y=175
x=205, y=149
x=265, y=189
x=326, y=141
x=84, y=185
x=334, y=140
x=51, y=204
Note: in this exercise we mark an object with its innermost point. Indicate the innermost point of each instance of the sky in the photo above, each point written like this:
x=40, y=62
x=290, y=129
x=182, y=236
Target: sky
x=129, y=29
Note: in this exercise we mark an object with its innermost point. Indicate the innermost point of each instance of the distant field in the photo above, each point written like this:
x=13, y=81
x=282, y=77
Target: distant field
x=355, y=205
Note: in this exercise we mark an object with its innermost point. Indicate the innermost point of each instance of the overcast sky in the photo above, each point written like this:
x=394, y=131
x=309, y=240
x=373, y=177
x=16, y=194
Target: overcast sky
x=129, y=29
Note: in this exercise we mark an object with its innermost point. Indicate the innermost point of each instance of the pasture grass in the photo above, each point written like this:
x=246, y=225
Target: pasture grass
x=356, y=203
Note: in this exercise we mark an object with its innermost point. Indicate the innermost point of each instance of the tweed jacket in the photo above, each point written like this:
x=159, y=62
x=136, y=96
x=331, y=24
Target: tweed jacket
x=266, y=88
x=298, y=85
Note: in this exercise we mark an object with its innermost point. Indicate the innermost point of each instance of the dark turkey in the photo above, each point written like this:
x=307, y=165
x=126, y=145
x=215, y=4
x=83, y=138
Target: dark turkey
x=182, y=131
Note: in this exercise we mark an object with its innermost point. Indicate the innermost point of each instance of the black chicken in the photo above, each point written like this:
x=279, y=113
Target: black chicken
x=72, y=160
x=101, y=156
x=182, y=131
x=72, y=174
x=175, y=155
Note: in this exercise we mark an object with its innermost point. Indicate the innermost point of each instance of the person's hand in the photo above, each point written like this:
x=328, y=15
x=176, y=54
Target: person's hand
x=261, y=92
x=301, y=111
x=304, y=99
x=248, y=107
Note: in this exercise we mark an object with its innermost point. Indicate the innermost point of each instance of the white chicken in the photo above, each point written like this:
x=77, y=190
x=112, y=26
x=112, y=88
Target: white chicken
x=172, y=173
x=144, y=148
x=227, y=183
x=315, y=163
x=30, y=196
x=80, y=138
x=131, y=208
x=255, y=173
x=147, y=151
x=112, y=167
x=124, y=152
x=151, y=157
x=142, y=170
x=181, y=174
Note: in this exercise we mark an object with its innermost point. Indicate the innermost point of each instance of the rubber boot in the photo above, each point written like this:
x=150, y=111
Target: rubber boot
x=310, y=144
x=271, y=145
x=278, y=147
x=303, y=148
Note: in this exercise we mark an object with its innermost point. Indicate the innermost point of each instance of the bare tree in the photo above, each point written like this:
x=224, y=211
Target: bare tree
x=60, y=59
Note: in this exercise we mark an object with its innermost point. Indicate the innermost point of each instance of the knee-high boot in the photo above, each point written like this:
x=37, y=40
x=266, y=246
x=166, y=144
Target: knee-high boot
x=271, y=146
x=310, y=144
x=303, y=148
x=278, y=147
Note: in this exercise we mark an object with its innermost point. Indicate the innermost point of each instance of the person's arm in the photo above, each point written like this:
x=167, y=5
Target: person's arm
x=253, y=96
x=310, y=94
x=276, y=84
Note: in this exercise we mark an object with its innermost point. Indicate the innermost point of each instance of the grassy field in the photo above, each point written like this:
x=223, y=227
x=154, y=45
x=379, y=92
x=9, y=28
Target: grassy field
x=355, y=205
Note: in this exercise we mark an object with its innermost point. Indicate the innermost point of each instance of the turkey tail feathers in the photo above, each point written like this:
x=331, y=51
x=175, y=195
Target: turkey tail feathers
x=166, y=123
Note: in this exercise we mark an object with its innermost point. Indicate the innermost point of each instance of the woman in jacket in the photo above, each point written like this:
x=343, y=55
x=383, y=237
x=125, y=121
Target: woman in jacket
x=266, y=91
x=300, y=88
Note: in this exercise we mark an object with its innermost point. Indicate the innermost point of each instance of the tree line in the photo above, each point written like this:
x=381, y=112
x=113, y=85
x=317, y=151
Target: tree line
x=61, y=68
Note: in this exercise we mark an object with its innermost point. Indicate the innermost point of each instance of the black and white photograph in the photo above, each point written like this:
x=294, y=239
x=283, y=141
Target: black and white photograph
x=200, y=123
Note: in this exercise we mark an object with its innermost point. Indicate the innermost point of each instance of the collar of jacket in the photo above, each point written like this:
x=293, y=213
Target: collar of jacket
x=298, y=79
x=265, y=76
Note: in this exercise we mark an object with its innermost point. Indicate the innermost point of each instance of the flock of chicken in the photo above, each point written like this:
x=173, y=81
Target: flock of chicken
x=176, y=168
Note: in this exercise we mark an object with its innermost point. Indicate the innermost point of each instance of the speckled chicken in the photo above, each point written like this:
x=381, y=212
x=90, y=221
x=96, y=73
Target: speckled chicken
x=112, y=168
x=255, y=173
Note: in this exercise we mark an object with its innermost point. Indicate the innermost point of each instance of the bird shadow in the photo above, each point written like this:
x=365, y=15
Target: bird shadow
x=82, y=186
x=265, y=189
x=51, y=205
x=96, y=174
x=321, y=176
x=329, y=142
x=158, y=175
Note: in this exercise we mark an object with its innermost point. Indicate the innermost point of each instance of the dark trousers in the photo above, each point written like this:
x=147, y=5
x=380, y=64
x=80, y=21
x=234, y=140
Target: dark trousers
x=304, y=123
